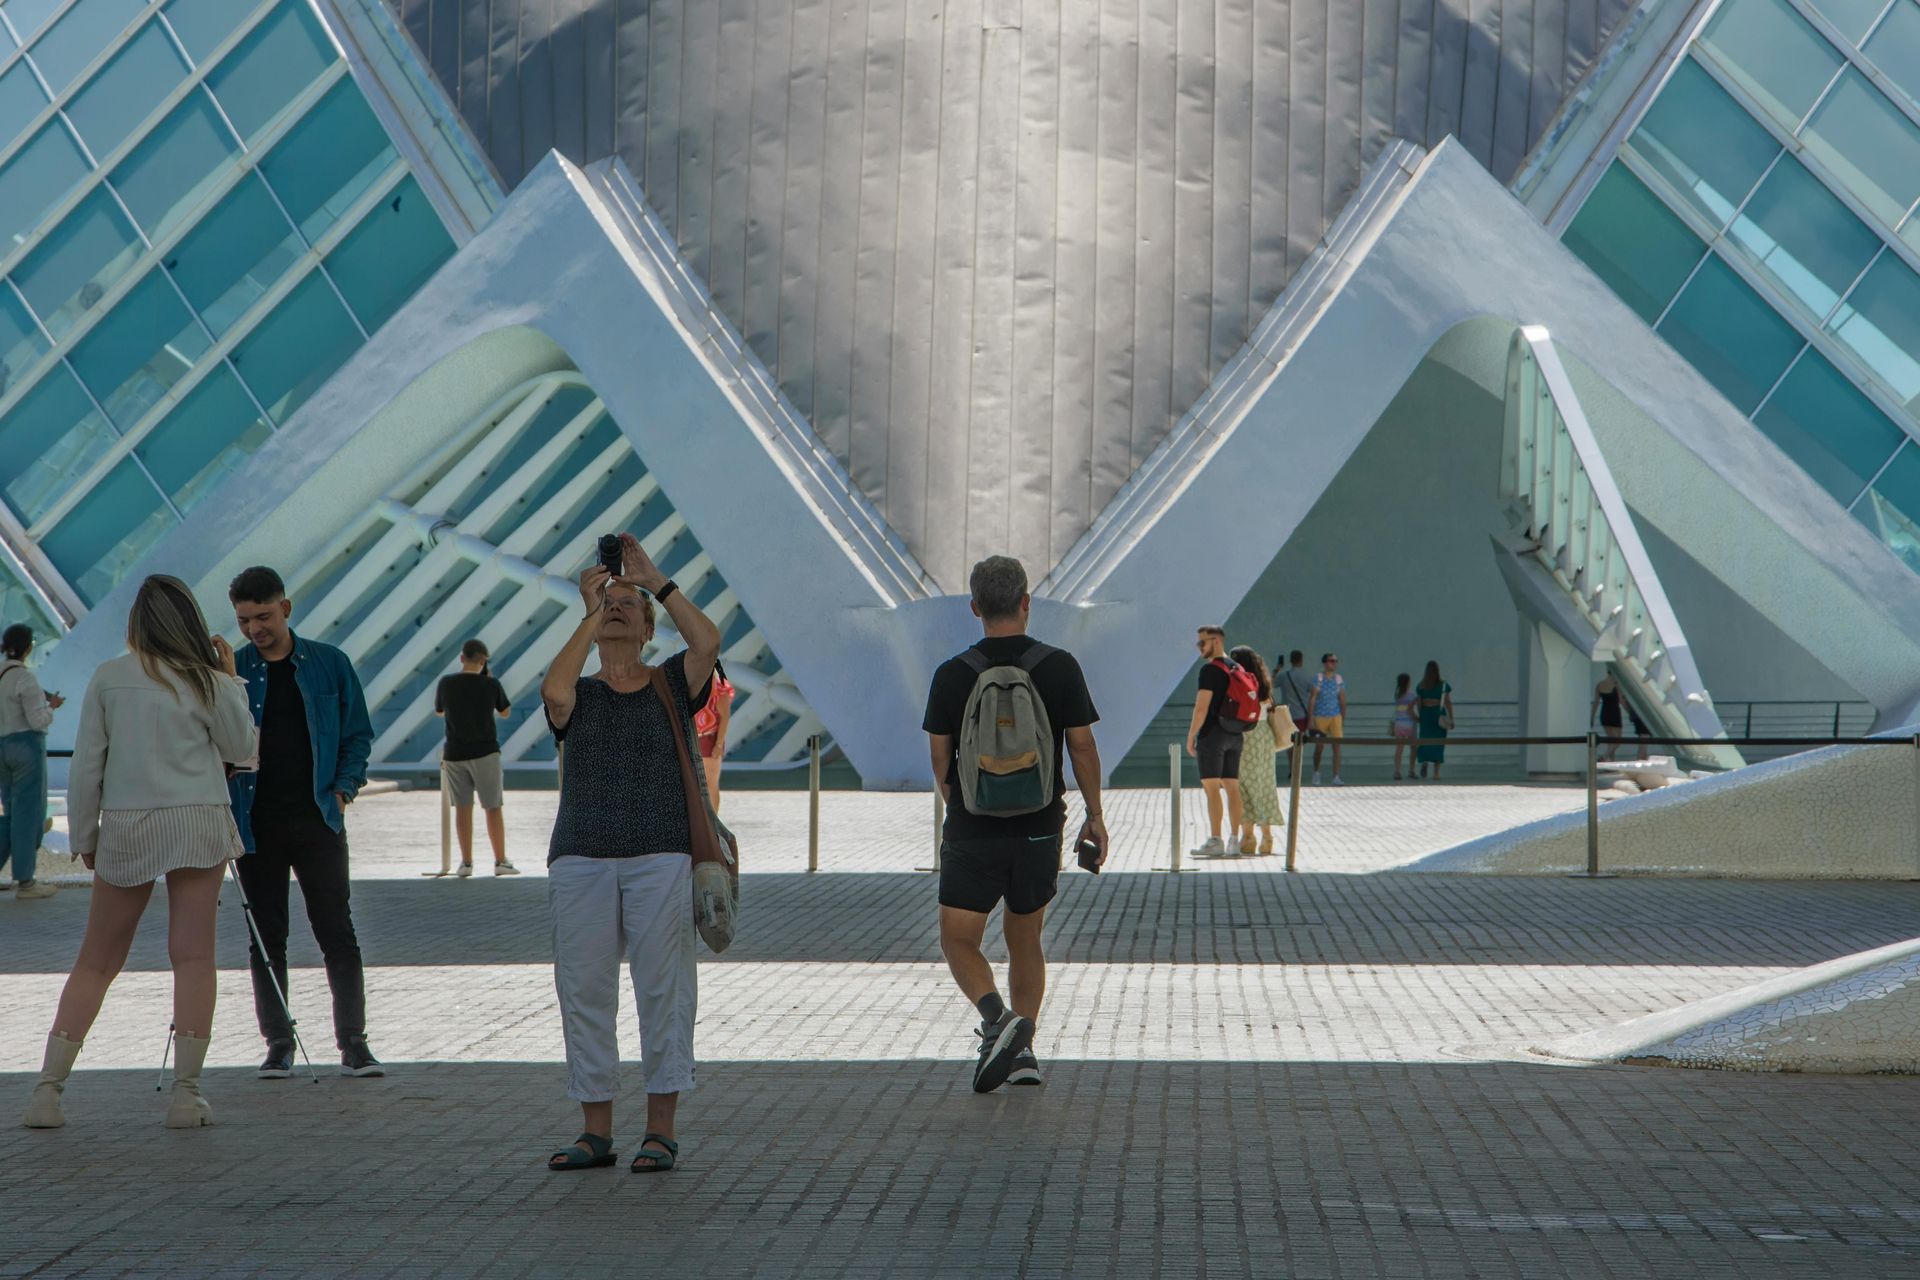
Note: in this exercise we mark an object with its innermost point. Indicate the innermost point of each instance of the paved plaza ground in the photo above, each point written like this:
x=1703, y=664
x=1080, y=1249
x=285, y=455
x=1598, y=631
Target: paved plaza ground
x=1326, y=1074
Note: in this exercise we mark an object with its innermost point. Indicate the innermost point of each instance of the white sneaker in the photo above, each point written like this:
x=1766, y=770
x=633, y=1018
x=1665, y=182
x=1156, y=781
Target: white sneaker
x=36, y=889
x=466, y=869
x=505, y=869
x=1211, y=848
x=1337, y=782
x=1316, y=777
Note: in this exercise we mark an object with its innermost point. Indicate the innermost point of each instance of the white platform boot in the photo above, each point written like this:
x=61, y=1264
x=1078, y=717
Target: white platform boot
x=44, y=1112
x=188, y=1110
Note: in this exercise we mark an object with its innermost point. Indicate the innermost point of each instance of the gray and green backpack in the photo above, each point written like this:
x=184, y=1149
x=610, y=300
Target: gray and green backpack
x=1006, y=741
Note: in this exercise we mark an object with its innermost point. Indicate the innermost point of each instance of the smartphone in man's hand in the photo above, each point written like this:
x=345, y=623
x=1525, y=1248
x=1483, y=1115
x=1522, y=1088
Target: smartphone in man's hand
x=1088, y=850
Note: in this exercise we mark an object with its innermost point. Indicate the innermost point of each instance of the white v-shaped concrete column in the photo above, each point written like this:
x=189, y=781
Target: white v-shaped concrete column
x=574, y=272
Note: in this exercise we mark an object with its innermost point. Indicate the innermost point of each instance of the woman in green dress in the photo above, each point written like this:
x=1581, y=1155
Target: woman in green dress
x=1259, y=747
x=1436, y=718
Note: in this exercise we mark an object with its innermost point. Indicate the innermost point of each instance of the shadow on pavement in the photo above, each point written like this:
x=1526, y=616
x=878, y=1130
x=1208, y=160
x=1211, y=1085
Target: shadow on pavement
x=894, y=1168
x=1218, y=918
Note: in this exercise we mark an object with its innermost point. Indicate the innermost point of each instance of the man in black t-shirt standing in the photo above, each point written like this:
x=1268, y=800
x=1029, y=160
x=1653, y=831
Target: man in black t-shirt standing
x=1216, y=747
x=470, y=762
x=315, y=737
x=987, y=860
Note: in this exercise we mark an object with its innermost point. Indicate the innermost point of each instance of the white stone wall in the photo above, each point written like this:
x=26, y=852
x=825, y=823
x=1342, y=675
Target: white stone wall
x=1860, y=1013
x=1839, y=812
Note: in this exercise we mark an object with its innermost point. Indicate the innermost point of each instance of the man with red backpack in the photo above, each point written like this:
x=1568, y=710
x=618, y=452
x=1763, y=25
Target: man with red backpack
x=1227, y=706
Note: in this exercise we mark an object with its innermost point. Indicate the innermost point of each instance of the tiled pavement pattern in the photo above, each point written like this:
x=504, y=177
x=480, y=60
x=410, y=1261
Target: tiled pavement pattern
x=1321, y=1075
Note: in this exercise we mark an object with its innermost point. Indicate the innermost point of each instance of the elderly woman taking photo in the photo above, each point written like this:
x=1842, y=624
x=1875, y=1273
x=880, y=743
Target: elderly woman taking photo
x=620, y=871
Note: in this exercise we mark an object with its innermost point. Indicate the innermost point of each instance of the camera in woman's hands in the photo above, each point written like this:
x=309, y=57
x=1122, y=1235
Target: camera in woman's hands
x=609, y=551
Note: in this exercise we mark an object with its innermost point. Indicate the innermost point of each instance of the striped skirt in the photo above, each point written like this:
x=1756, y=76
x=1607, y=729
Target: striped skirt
x=138, y=846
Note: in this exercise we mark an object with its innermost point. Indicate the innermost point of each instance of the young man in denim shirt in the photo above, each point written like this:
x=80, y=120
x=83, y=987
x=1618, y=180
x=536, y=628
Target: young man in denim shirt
x=314, y=739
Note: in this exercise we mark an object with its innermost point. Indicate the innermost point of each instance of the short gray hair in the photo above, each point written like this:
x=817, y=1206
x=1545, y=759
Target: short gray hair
x=998, y=582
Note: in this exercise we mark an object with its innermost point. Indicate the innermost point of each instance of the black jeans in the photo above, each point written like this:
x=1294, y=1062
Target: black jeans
x=317, y=854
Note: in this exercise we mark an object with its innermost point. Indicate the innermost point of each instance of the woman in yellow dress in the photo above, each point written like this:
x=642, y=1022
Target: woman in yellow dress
x=1259, y=748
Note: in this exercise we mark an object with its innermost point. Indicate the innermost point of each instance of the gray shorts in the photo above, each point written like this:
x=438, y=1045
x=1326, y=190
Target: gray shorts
x=464, y=777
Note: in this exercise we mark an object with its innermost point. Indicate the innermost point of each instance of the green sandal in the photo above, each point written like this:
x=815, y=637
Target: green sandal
x=599, y=1154
x=658, y=1161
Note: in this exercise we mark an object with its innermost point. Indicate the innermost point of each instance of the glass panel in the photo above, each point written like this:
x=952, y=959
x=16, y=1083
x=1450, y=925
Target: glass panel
x=1895, y=47
x=234, y=254
x=380, y=264
x=203, y=24
x=28, y=16
x=1704, y=143
x=21, y=342
x=1871, y=147
x=282, y=56
x=1774, y=54
x=108, y=531
x=49, y=439
x=1637, y=245
x=1803, y=237
x=328, y=159
x=167, y=175
x=64, y=277
x=20, y=101
x=1823, y=423
x=1850, y=17
x=37, y=176
x=213, y=431
x=1881, y=323
x=80, y=35
x=127, y=90
x=1736, y=341
x=1891, y=506
x=295, y=349
x=143, y=346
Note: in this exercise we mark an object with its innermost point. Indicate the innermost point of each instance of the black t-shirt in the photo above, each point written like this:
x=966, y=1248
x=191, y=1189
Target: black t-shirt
x=1213, y=680
x=620, y=788
x=468, y=700
x=284, y=789
x=1063, y=692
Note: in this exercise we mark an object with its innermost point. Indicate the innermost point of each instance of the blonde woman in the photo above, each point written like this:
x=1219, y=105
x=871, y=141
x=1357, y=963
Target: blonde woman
x=146, y=798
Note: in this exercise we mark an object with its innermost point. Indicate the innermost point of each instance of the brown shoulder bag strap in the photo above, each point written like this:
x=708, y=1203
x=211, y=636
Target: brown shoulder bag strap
x=699, y=830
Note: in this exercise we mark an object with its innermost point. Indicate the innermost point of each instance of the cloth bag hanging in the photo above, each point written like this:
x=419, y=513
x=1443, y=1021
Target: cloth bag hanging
x=715, y=851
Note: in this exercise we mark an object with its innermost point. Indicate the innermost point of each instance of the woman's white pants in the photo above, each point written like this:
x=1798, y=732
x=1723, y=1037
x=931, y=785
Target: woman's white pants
x=639, y=909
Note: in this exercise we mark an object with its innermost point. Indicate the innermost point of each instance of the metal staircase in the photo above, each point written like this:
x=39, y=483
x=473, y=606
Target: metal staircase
x=1575, y=551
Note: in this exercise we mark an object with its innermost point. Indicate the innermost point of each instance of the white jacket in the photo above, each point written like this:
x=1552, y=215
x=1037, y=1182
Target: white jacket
x=149, y=744
x=23, y=705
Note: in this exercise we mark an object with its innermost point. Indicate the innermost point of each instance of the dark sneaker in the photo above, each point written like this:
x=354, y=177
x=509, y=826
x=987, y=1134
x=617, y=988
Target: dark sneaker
x=358, y=1060
x=1000, y=1043
x=279, y=1063
x=1026, y=1068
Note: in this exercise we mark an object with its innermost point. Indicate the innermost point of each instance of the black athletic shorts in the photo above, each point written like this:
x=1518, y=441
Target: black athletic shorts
x=976, y=874
x=1219, y=753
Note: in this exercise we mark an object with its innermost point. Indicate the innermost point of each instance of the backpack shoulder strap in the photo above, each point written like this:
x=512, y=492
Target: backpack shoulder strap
x=976, y=659
x=1035, y=656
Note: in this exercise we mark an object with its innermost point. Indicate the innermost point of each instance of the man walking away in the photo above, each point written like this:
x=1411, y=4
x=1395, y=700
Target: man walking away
x=1329, y=702
x=997, y=759
x=1214, y=738
x=314, y=740
x=470, y=762
x=1293, y=688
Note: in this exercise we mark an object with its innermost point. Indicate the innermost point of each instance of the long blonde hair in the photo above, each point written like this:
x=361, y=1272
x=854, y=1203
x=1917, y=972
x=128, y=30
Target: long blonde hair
x=166, y=629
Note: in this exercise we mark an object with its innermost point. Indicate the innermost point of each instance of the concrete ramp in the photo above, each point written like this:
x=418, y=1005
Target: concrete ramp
x=1860, y=1013
x=1834, y=813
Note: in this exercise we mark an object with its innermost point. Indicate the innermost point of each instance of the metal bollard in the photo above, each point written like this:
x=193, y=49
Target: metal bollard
x=446, y=826
x=1293, y=802
x=813, y=803
x=1173, y=787
x=1916, y=790
x=1593, y=871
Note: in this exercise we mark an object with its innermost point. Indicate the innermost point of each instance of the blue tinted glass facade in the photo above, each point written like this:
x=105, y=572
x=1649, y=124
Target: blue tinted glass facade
x=1762, y=217
x=201, y=219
